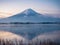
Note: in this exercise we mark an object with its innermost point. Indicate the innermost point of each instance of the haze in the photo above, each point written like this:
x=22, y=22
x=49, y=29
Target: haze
x=11, y=7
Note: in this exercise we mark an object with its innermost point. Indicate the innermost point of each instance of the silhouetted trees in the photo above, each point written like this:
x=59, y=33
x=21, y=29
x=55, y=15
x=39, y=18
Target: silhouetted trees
x=30, y=23
x=15, y=42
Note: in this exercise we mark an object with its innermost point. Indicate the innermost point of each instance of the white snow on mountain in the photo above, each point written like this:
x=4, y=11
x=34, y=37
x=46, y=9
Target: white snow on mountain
x=29, y=11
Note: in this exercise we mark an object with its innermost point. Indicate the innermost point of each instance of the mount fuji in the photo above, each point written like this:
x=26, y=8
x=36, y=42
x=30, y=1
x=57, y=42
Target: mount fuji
x=29, y=15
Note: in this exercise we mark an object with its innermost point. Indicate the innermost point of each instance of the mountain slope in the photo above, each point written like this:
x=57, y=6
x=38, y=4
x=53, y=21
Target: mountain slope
x=29, y=15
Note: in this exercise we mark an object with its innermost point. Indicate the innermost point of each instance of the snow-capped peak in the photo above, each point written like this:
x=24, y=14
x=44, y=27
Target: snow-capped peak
x=29, y=12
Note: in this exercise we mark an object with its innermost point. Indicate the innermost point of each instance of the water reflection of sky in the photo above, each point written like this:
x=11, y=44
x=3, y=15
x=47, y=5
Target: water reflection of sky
x=31, y=29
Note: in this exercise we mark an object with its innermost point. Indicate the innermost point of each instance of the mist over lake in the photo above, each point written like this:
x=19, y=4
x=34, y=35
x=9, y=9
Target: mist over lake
x=29, y=30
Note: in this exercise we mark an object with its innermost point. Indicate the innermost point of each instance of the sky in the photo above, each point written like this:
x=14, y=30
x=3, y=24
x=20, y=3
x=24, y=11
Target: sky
x=11, y=7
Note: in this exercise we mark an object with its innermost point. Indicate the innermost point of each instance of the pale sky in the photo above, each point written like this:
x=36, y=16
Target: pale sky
x=10, y=7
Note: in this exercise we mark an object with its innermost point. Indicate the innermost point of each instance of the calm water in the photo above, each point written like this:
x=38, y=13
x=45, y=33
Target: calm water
x=30, y=30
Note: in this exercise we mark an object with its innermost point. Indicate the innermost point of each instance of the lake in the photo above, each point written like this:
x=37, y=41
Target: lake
x=29, y=30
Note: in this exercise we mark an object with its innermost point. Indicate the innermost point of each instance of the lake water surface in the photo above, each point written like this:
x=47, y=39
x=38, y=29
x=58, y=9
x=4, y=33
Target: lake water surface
x=30, y=30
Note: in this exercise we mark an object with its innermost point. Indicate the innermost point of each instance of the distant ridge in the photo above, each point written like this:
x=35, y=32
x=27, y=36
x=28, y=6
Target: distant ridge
x=29, y=15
